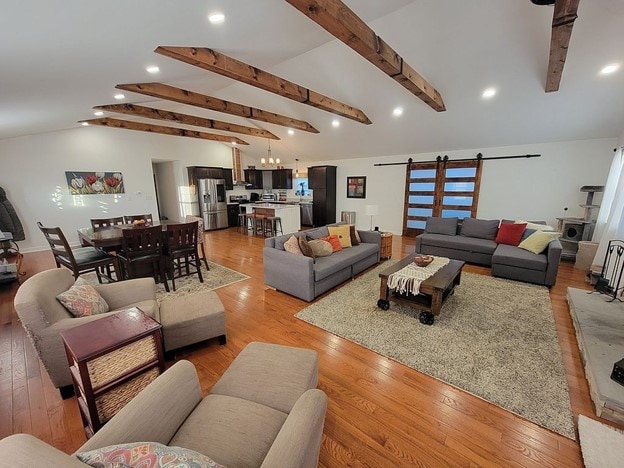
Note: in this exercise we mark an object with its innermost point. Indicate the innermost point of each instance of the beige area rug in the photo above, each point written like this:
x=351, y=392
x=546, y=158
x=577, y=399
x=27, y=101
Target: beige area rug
x=602, y=445
x=216, y=278
x=495, y=338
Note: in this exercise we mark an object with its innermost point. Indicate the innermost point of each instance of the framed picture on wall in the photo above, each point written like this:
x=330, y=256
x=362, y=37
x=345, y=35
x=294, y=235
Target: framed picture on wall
x=356, y=187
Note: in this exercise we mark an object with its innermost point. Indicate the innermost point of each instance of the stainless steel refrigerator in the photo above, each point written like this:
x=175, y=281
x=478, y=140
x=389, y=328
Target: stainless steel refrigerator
x=212, y=203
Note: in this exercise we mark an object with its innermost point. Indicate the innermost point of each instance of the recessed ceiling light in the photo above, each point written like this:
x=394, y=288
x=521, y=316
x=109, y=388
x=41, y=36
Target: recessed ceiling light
x=119, y=96
x=98, y=113
x=335, y=123
x=216, y=18
x=397, y=112
x=234, y=143
x=152, y=69
x=610, y=69
x=488, y=93
x=85, y=124
x=291, y=131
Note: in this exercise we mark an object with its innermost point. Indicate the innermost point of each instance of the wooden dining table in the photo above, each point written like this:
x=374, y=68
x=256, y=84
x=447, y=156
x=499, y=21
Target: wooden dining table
x=109, y=237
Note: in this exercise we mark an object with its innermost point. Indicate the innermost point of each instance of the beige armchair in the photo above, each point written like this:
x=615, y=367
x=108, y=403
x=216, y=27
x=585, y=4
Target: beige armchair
x=43, y=317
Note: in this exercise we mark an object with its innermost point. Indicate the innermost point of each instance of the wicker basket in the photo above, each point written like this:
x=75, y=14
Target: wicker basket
x=386, y=245
x=111, y=366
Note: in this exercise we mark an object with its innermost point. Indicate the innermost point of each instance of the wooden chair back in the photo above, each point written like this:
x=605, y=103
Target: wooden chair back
x=200, y=227
x=103, y=223
x=132, y=218
x=63, y=254
x=142, y=242
x=181, y=237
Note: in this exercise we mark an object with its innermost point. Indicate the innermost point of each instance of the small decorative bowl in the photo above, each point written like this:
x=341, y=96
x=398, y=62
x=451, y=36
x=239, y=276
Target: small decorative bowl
x=423, y=260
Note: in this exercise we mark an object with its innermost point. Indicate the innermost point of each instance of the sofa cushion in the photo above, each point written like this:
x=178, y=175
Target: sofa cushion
x=321, y=248
x=471, y=244
x=446, y=226
x=317, y=233
x=146, y=455
x=480, y=228
x=517, y=257
x=334, y=241
x=292, y=246
x=355, y=237
x=305, y=247
x=344, y=234
x=538, y=241
x=230, y=430
x=327, y=266
x=149, y=307
x=510, y=234
x=82, y=299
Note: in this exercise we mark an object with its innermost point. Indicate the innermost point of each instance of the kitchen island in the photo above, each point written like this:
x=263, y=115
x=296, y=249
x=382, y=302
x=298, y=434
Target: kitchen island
x=290, y=214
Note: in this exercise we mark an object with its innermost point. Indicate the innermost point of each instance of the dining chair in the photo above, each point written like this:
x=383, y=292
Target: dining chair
x=103, y=223
x=200, y=236
x=144, y=217
x=82, y=259
x=142, y=253
x=181, y=251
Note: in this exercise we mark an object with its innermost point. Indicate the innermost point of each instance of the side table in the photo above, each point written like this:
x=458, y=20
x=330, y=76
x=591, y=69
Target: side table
x=386, y=245
x=111, y=360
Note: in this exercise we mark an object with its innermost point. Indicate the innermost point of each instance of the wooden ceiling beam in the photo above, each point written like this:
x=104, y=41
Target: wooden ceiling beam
x=159, y=114
x=143, y=127
x=183, y=96
x=564, y=16
x=224, y=65
x=340, y=21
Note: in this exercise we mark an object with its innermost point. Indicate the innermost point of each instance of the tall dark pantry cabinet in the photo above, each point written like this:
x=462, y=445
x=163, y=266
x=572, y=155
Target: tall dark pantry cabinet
x=322, y=182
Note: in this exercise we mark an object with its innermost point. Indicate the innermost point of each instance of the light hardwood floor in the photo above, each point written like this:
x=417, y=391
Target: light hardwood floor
x=380, y=413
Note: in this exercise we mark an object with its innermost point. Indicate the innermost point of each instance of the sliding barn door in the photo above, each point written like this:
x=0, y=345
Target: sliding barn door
x=443, y=189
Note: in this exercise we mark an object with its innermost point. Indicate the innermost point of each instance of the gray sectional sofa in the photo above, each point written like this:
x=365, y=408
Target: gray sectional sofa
x=306, y=278
x=473, y=241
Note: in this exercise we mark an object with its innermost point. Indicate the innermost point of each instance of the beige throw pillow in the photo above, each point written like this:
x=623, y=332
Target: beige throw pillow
x=292, y=246
x=538, y=241
x=343, y=232
x=320, y=247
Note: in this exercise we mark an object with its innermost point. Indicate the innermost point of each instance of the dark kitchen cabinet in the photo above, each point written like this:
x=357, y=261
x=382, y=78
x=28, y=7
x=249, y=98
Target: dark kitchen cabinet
x=229, y=178
x=232, y=214
x=209, y=172
x=253, y=177
x=282, y=179
x=322, y=181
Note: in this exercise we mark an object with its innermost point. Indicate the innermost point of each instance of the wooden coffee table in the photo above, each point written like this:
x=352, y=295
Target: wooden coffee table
x=433, y=291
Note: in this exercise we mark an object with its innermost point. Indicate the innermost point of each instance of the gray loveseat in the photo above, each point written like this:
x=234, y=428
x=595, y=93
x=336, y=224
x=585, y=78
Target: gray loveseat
x=263, y=412
x=306, y=278
x=473, y=241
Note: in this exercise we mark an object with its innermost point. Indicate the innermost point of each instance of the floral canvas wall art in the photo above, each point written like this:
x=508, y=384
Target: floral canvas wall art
x=94, y=183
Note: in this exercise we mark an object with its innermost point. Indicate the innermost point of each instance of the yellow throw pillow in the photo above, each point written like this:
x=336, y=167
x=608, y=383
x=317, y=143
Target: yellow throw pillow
x=538, y=241
x=343, y=232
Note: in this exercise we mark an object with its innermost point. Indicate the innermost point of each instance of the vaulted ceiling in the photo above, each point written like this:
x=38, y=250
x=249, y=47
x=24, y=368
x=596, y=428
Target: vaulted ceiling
x=60, y=58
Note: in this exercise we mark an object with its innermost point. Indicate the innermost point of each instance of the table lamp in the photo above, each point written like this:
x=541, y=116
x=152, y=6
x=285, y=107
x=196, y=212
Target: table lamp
x=371, y=210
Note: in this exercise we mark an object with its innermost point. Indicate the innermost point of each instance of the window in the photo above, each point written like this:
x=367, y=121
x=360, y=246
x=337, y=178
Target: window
x=444, y=189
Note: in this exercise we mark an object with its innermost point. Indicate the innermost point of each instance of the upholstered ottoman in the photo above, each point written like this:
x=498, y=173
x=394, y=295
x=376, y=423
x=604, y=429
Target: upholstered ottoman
x=191, y=319
x=271, y=375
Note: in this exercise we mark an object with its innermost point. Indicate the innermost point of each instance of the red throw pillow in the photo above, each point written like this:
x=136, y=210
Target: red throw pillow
x=509, y=233
x=334, y=240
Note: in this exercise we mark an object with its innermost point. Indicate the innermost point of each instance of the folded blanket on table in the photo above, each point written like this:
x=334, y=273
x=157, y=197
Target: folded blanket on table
x=409, y=278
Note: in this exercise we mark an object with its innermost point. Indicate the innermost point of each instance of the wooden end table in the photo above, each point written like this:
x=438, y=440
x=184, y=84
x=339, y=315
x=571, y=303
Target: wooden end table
x=111, y=360
x=433, y=291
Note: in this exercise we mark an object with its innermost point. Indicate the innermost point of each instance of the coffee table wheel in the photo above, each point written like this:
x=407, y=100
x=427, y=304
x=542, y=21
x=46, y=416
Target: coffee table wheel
x=426, y=318
x=383, y=304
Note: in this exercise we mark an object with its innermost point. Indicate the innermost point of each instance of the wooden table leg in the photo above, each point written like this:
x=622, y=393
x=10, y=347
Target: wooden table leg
x=383, y=303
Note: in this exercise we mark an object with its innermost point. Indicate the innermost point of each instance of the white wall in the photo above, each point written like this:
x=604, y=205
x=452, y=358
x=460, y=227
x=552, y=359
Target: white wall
x=33, y=174
x=537, y=188
x=167, y=186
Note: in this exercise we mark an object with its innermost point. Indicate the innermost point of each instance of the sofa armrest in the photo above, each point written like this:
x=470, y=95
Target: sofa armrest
x=156, y=413
x=370, y=237
x=26, y=451
x=553, y=256
x=298, y=442
x=418, y=243
x=120, y=294
x=288, y=272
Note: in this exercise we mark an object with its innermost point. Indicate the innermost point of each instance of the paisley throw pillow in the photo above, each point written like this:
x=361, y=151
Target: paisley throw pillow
x=82, y=299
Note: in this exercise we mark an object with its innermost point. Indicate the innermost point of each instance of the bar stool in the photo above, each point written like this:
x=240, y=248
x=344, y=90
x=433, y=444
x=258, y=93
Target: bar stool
x=259, y=224
x=272, y=225
x=242, y=223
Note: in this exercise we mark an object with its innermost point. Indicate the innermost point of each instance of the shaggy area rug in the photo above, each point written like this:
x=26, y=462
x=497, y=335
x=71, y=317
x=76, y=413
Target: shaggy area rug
x=494, y=338
x=602, y=445
x=217, y=277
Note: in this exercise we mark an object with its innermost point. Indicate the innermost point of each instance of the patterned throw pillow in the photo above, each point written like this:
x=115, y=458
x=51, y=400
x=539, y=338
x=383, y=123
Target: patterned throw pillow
x=321, y=248
x=305, y=247
x=292, y=246
x=146, y=455
x=343, y=232
x=82, y=299
x=334, y=241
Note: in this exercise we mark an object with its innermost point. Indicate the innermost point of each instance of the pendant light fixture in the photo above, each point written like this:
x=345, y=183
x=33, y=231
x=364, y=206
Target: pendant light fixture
x=271, y=161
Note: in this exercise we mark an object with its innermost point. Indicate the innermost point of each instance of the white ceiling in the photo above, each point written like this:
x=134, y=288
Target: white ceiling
x=58, y=58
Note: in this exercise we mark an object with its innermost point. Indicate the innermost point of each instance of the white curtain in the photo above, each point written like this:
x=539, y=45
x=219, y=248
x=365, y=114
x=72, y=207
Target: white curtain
x=610, y=222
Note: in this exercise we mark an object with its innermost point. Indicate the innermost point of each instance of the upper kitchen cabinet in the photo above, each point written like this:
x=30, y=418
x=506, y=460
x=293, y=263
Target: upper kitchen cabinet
x=209, y=172
x=321, y=177
x=282, y=179
x=253, y=177
x=228, y=175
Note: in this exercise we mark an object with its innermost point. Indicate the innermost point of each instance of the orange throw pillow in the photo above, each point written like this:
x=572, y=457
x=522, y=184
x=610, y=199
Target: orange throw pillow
x=334, y=241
